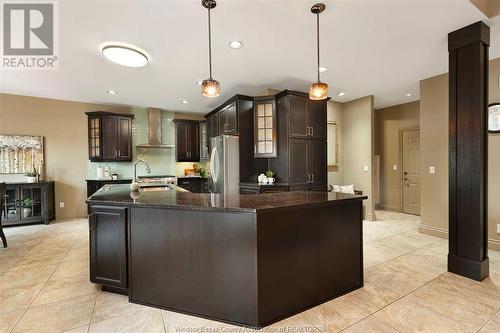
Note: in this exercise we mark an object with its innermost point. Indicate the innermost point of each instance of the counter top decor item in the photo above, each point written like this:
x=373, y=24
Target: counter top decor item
x=31, y=176
x=20, y=153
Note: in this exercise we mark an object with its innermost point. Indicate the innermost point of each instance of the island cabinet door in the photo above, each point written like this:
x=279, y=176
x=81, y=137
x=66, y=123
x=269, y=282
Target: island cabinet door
x=108, y=246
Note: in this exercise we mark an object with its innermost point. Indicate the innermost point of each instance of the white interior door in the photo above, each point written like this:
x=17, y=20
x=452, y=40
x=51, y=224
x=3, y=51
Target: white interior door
x=411, y=172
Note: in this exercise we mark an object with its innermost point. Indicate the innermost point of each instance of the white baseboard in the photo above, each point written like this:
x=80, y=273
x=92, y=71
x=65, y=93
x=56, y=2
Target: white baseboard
x=493, y=244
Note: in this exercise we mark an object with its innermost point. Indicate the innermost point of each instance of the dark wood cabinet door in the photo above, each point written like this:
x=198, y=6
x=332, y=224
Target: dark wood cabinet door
x=212, y=129
x=181, y=141
x=298, y=117
x=317, y=164
x=194, y=141
x=124, y=141
x=187, y=141
x=108, y=246
x=110, y=137
x=316, y=118
x=299, y=153
x=231, y=119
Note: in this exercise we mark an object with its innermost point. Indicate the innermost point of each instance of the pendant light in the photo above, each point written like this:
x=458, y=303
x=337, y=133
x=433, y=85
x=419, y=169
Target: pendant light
x=318, y=90
x=210, y=87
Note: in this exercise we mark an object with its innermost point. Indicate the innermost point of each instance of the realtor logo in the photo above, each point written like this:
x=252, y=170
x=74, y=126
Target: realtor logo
x=29, y=36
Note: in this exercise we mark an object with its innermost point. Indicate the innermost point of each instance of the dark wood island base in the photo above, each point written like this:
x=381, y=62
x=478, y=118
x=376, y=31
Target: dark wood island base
x=249, y=260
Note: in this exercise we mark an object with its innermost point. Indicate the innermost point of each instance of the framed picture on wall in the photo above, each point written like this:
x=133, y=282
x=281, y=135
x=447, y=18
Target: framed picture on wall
x=494, y=118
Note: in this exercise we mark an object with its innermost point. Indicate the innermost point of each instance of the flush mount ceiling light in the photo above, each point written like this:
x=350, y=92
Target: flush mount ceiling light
x=323, y=69
x=235, y=44
x=184, y=101
x=340, y=94
x=125, y=55
x=318, y=90
x=199, y=82
x=408, y=95
x=111, y=92
x=210, y=87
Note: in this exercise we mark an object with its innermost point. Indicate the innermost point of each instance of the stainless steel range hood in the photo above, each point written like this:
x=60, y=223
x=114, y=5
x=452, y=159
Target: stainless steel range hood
x=154, y=127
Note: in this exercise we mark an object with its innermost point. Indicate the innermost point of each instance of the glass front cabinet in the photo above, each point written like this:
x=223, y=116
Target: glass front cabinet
x=28, y=203
x=265, y=137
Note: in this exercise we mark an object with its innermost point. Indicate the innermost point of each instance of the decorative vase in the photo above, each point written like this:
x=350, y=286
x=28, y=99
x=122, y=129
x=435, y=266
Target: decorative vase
x=31, y=179
x=26, y=212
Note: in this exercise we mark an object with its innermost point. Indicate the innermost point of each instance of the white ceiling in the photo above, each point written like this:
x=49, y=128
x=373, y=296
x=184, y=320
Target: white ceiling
x=381, y=48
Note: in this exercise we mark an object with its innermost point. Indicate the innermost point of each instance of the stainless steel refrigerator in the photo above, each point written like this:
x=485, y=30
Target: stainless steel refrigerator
x=224, y=166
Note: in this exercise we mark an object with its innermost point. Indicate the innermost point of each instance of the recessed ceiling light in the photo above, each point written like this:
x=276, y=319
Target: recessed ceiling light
x=235, y=44
x=323, y=69
x=340, y=94
x=408, y=95
x=184, y=101
x=199, y=82
x=111, y=92
x=129, y=56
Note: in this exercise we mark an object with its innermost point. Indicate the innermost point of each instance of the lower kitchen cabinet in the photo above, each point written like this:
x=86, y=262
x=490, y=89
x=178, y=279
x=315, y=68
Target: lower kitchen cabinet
x=108, y=247
x=94, y=185
x=254, y=188
x=308, y=165
x=193, y=184
x=27, y=203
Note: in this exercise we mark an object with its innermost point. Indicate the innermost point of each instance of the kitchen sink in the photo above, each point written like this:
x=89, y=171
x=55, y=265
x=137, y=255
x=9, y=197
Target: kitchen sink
x=154, y=188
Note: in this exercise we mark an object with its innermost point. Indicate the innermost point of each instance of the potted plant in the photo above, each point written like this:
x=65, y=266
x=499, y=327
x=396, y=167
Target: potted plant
x=270, y=175
x=27, y=203
x=31, y=176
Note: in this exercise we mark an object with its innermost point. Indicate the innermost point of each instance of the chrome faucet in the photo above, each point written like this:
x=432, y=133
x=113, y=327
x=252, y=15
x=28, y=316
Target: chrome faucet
x=148, y=169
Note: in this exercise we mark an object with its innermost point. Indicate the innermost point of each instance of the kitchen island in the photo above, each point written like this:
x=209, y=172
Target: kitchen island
x=245, y=259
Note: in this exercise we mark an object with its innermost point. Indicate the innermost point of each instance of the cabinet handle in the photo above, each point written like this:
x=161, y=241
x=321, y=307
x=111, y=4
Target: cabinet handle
x=312, y=178
x=312, y=131
x=307, y=130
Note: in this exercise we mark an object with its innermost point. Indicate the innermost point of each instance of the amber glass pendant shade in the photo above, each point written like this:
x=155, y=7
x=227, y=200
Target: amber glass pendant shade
x=318, y=91
x=210, y=88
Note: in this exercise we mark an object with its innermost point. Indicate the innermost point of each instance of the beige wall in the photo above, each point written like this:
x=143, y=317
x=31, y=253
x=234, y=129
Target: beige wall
x=357, y=138
x=64, y=126
x=434, y=152
x=388, y=125
x=334, y=113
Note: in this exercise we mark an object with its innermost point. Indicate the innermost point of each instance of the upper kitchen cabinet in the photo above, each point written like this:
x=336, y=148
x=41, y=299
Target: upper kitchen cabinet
x=228, y=119
x=187, y=134
x=265, y=126
x=203, y=141
x=307, y=119
x=110, y=137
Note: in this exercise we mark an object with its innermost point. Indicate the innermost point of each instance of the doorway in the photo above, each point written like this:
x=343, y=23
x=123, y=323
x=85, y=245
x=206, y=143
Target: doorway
x=410, y=156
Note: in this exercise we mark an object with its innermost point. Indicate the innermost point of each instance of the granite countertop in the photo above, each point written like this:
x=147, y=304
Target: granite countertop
x=110, y=180
x=263, y=185
x=177, y=198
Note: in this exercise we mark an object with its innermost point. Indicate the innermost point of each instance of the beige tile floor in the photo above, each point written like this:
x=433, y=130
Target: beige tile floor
x=44, y=287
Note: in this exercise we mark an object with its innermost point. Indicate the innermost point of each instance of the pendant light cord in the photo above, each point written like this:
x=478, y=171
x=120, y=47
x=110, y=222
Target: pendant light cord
x=317, y=40
x=209, y=45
